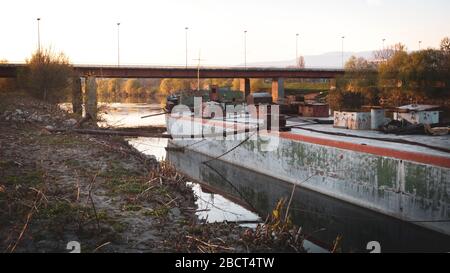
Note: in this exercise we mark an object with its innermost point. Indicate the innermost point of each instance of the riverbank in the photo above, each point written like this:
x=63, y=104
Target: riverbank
x=97, y=190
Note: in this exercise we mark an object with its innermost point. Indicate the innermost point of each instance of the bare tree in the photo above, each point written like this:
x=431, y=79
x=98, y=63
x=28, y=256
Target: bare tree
x=47, y=75
x=445, y=45
x=387, y=53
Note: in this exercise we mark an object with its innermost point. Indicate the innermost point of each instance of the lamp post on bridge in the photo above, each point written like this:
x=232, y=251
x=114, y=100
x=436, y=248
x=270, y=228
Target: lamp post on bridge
x=186, y=37
x=198, y=69
x=296, y=50
x=342, y=55
x=245, y=49
x=39, y=35
x=383, y=53
x=118, y=44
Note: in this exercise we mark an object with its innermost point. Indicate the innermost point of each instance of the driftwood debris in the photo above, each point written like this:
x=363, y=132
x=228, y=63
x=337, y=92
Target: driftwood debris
x=133, y=133
x=144, y=129
x=110, y=132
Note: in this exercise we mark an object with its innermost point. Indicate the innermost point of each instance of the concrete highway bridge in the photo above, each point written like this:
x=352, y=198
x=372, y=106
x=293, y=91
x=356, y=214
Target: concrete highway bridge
x=277, y=74
x=90, y=72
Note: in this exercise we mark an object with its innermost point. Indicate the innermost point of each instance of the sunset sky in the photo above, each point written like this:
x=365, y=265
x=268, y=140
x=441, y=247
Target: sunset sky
x=153, y=32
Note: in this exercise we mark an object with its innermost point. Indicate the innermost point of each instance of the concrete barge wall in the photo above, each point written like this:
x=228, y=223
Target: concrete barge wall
x=407, y=190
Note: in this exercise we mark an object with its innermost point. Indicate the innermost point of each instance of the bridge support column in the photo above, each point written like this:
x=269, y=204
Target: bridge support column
x=277, y=89
x=77, y=96
x=332, y=83
x=245, y=87
x=91, y=97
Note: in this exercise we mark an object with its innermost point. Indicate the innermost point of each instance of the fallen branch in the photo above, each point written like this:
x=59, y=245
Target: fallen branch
x=109, y=133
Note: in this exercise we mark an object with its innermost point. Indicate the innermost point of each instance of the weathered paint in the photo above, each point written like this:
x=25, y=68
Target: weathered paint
x=352, y=120
x=381, y=151
x=377, y=178
x=421, y=117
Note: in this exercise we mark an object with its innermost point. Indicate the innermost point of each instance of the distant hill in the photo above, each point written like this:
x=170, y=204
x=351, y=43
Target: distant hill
x=326, y=60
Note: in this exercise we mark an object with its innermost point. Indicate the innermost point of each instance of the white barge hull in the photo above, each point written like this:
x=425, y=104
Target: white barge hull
x=389, y=178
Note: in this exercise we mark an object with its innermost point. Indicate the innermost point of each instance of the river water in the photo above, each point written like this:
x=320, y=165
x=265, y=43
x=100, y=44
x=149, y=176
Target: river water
x=227, y=192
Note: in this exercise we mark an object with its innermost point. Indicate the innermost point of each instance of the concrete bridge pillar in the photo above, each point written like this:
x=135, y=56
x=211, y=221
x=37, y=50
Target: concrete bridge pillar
x=332, y=84
x=77, y=96
x=245, y=87
x=277, y=89
x=90, y=93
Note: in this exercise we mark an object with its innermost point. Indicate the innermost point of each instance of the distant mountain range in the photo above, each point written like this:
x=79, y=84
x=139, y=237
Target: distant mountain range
x=326, y=60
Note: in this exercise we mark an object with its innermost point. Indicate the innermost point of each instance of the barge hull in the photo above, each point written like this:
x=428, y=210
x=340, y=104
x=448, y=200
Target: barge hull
x=381, y=179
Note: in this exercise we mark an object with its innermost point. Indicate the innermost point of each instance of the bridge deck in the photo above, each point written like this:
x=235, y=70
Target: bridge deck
x=109, y=71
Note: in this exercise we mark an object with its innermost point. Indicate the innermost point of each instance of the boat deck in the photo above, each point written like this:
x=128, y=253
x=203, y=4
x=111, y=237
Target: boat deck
x=374, y=138
x=431, y=150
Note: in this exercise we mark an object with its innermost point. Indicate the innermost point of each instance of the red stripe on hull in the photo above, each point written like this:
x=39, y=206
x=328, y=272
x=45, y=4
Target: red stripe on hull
x=403, y=155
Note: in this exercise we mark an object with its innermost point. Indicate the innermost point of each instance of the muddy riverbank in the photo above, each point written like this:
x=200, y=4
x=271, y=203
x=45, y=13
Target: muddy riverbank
x=99, y=191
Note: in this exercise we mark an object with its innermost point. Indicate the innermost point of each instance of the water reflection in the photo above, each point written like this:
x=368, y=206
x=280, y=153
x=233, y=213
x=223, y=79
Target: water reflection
x=150, y=146
x=214, y=207
x=129, y=115
x=320, y=216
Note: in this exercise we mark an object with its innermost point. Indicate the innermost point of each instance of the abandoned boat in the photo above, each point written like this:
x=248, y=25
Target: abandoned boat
x=406, y=177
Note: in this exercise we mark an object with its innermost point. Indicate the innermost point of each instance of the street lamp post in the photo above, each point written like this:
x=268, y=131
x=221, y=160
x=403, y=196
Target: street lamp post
x=342, y=55
x=39, y=35
x=296, y=49
x=383, y=43
x=118, y=44
x=198, y=69
x=245, y=49
x=186, y=37
x=420, y=43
